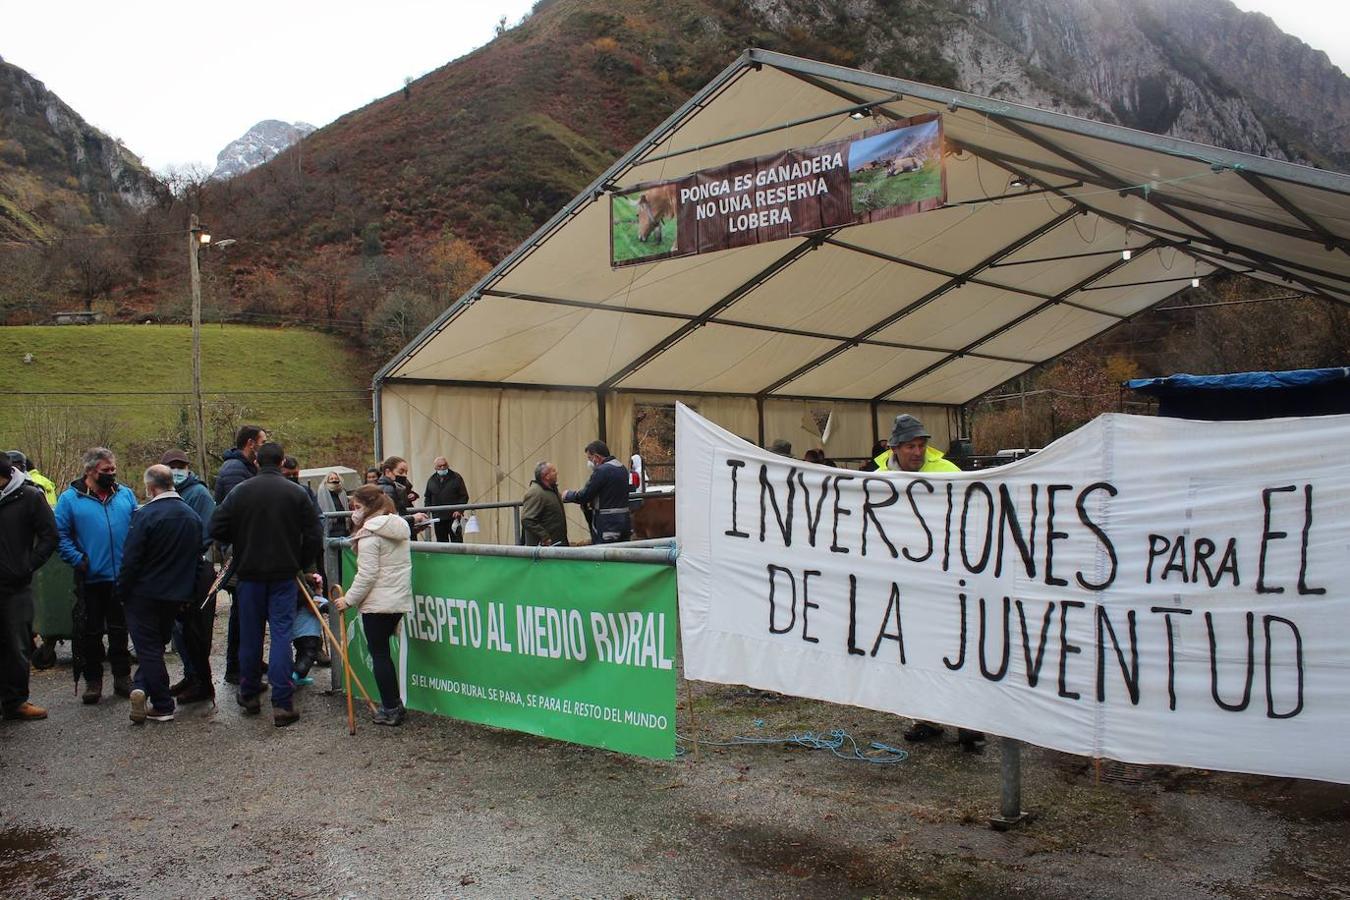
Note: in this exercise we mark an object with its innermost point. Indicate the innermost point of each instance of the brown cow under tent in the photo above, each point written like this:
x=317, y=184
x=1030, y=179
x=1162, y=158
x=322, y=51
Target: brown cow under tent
x=922, y=313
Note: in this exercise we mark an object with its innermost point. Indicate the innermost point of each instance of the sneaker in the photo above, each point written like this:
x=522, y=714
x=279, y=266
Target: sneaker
x=283, y=717
x=26, y=712
x=93, y=692
x=392, y=717
x=299, y=680
x=197, y=693
x=252, y=705
x=138, y=712
x=122, y=685
x=920, y=732
x=154, y=715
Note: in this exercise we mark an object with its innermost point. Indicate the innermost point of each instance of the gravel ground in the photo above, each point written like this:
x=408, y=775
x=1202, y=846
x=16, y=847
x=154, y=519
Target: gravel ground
x=218, y=805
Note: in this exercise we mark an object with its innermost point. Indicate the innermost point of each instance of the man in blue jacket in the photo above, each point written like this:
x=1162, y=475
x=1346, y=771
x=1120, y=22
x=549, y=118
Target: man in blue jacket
x=241, y=461
x=607, y=495
x=159, y=573
x=93, y=516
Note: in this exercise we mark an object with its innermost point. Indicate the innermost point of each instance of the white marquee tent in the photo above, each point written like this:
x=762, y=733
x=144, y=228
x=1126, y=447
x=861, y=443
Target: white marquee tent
x=919, y=314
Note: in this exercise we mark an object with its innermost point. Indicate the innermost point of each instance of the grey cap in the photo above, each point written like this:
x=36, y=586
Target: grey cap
x=906, y=429
x=781, y=447
x=17, y=459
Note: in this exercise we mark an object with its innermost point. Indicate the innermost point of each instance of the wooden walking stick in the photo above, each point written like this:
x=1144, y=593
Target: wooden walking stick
x=346, y=675
x=342, y=648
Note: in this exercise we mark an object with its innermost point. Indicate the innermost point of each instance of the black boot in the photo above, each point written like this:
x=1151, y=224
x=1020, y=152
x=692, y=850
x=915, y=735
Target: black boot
x=922, y=731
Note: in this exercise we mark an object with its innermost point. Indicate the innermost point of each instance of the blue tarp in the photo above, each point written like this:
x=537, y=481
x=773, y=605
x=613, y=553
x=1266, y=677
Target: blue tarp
x=1250, y=395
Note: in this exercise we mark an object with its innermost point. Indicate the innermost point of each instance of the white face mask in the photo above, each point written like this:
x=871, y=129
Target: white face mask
x=590, y=463
x=358, y=515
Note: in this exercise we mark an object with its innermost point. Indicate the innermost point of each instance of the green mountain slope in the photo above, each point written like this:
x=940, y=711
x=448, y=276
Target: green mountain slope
x=128, y=386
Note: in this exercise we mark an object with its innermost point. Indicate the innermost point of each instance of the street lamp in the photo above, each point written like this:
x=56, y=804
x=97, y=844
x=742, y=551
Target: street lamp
x=198, y=237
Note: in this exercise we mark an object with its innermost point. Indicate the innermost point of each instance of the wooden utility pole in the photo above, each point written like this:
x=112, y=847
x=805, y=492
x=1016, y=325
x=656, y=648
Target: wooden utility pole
x=199, y=421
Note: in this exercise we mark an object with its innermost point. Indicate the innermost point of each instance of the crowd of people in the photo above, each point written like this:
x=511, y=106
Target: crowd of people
x=146, y=574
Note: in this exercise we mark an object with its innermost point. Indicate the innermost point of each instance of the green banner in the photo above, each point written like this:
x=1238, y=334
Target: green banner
x=579, y=651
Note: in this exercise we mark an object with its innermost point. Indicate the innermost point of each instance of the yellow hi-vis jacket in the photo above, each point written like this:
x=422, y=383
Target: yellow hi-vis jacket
x=934, y=461
x=43, y=482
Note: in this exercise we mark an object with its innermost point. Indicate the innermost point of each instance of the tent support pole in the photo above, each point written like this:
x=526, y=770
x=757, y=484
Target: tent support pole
x=1010, y=800
x=759, y=416
x=875, y=407
x=602, y=425
x=378, y=396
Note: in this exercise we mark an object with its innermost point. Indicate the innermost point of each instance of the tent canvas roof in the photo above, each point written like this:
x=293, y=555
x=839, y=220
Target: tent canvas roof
x=937, y=307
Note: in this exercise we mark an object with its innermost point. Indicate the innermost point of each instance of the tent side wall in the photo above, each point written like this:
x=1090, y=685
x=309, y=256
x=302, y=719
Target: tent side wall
x=495, y=436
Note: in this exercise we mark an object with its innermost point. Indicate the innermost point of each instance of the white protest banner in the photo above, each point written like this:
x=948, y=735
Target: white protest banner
x=1145, y=589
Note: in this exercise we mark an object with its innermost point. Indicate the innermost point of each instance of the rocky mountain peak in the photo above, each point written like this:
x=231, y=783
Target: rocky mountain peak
x=259, y=144
x=55, y=165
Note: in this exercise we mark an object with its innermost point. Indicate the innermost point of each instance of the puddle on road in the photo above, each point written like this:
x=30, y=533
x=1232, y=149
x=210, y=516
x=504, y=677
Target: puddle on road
x=29, y=856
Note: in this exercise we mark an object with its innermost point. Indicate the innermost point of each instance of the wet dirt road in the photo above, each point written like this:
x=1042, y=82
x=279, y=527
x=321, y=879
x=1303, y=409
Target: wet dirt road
x=215, y=804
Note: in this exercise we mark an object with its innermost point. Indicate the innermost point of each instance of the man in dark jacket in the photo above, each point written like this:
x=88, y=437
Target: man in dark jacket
x=542, y=519
x=607, y=495
x=275, y=533
x=446, y=487
x=93, y=516
x=241, y=462
x=239, y=466
x=159, y=575
x=193, y=631
x=27, y=539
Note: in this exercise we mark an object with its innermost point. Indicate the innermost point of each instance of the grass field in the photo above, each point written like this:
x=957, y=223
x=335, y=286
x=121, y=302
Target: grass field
x=626, y=244
x=116, y=383
x=874, y=189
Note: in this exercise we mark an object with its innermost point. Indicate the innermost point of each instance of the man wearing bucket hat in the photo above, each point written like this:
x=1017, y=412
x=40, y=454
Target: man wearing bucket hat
x=908, y=451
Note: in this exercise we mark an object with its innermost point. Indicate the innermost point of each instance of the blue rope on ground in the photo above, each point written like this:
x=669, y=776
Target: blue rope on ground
x=839, y=742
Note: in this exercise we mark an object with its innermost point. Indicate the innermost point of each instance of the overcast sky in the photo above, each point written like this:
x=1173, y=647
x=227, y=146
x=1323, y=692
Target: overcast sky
x=178, y=81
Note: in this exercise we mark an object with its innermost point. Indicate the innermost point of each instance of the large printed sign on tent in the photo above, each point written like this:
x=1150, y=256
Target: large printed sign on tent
x=579, y=651
x=880, y=174
x=1145, y=589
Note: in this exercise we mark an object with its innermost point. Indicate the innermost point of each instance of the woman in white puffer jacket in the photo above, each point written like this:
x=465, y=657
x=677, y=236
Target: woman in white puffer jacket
x=381, y=588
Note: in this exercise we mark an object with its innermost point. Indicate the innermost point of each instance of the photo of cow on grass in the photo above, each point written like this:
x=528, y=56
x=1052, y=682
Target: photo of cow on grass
x=896, y=168
x=644, y=223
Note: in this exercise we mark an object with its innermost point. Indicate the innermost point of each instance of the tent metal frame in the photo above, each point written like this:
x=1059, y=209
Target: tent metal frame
x=1191, y=238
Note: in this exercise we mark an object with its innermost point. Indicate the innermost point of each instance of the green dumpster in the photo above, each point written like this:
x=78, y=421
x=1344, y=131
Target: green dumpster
x=53, y=605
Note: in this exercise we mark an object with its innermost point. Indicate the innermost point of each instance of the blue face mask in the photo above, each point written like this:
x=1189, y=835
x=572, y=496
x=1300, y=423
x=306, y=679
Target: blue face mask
x=442, y=472
x=180, y=475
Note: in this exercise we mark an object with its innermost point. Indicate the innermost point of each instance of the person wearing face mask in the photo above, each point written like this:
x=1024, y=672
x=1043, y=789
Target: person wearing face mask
x=606, y=493
x=394, y=482
x=93, y=516
x=446, y=488
x=381, y=588
x=193, y=630
x=240, y=461
x=333, y=498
